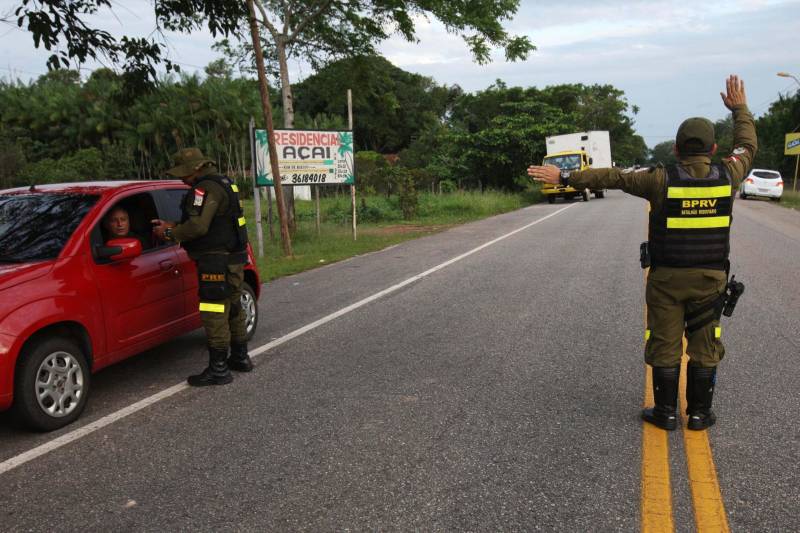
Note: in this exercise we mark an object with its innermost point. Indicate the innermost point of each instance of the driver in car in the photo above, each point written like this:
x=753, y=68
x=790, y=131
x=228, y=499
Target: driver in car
x=117, y=224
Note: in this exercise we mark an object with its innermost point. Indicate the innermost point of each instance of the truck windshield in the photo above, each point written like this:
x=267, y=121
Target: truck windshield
x=35, y=227
x=564, y=162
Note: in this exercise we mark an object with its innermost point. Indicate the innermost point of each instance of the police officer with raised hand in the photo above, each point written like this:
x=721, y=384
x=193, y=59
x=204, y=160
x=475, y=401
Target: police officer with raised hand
x=212, y=231
x=688, y=244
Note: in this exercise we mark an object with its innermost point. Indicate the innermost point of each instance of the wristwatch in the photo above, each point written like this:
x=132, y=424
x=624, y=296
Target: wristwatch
x=168, y=234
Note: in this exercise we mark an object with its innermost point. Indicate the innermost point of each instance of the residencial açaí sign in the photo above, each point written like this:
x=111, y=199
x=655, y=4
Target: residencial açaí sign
x=306, y=157
x=792, y=144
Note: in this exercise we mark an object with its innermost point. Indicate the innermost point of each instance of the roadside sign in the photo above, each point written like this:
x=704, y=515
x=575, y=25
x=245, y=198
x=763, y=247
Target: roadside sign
x=792, y=144
x=307, y=157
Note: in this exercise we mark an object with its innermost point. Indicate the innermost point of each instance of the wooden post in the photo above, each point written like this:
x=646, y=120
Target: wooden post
x=316, y=201
x=353, y=186
x=268, y=193
x=263, y=87
x=796, y=168
x=256, y=194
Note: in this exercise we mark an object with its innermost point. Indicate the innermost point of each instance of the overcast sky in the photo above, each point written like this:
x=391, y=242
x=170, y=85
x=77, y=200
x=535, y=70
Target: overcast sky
x=670, y=58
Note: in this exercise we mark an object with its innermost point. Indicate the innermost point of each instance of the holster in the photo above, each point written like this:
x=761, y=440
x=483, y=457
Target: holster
x=212, y=270
x=644, y=254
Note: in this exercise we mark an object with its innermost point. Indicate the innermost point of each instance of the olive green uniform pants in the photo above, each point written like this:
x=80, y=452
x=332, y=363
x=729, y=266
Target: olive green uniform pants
x=670, y=293
x=225, y=321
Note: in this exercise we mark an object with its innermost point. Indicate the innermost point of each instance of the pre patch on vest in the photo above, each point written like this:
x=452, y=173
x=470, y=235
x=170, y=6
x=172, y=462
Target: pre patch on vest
x=212, y=277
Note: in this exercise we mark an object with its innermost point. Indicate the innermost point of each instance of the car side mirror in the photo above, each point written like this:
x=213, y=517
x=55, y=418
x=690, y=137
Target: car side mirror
x=120, y=249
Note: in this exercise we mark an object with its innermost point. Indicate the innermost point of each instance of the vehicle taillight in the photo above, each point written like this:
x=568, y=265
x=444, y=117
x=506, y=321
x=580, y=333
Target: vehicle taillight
x=748, y=180
x=779, y=184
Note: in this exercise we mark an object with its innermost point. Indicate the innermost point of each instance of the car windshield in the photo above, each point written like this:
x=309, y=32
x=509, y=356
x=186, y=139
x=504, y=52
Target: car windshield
x=35, y=227
x=564, y=162
x=766, y=175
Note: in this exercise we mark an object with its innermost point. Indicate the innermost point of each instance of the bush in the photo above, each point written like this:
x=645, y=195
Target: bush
x=83, y=165
x=369, y=167
x=447, y=186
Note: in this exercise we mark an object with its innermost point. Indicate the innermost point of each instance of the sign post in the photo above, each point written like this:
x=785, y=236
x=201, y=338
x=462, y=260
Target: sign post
x=256, y=194
x=792, y=147
x=352, y=185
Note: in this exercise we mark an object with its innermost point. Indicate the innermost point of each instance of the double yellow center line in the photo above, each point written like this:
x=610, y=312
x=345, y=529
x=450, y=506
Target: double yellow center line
x=656, y=508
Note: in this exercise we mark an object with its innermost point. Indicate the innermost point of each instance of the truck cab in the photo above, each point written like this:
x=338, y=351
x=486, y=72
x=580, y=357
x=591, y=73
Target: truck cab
x=569, y=161
x=576, y=151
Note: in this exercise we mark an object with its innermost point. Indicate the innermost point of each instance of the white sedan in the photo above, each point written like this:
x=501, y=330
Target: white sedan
x=759, y=182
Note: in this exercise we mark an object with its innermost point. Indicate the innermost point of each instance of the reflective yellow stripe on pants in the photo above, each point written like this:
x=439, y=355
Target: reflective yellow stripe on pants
x=211, y=308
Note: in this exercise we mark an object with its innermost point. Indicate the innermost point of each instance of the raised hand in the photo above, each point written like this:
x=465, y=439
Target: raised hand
x=734, y=94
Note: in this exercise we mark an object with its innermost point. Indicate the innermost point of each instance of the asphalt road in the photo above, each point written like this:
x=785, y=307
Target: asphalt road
x=500, y=392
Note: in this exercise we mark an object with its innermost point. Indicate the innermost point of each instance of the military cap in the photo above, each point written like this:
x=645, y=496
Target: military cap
x=187, y=161
x=695, y=136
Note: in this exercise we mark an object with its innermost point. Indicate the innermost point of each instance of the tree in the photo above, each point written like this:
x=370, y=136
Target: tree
x=392, y=105
x=317, y=31
x=782, y=117
x=53, y=22
x=338, y=28
x=664, y=153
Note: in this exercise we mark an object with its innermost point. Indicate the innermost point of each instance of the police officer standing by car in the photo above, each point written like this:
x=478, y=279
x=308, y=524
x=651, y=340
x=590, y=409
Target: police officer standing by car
x=691, y=205
x=212, y=230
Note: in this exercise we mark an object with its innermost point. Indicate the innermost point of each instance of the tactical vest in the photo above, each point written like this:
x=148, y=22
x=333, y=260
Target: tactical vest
x=227, y=230
x=692, y=229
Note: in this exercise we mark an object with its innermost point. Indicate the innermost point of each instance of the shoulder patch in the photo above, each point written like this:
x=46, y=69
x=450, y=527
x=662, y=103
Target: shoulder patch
x=199, y=196
x=637, y=168
x=739, y=150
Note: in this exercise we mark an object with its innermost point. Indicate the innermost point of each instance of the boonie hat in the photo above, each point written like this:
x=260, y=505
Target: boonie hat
x=186, y=161
x=695, y=136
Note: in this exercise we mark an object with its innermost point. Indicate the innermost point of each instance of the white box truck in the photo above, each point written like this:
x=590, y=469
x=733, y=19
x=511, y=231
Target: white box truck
x=576, y=151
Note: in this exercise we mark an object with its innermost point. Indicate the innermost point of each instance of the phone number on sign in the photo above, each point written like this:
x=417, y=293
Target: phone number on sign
x=307, y=178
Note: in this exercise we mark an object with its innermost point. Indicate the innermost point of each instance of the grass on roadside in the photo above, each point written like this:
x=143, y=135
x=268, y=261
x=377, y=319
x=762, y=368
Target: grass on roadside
x=790, y=199
x=380, y=224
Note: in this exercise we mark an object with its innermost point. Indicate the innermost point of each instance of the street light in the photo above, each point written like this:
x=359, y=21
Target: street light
x=787, y=75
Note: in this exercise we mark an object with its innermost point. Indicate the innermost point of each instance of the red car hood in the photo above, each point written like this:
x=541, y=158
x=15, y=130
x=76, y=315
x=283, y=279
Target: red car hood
x=12, y=274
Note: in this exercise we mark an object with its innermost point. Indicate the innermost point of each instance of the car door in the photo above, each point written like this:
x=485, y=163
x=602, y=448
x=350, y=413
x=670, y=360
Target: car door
x=169, y=202
x=142, y=298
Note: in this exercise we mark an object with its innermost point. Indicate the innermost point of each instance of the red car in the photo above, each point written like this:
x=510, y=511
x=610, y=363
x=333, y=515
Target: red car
x=73, y=300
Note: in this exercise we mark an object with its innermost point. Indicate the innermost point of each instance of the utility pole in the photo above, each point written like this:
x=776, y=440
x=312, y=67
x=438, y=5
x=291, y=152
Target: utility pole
x=263, y=86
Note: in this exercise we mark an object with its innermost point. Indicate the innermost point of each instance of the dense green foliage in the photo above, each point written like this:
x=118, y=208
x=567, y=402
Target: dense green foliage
x=390, y=106
x=59, y=128
x=493, y=135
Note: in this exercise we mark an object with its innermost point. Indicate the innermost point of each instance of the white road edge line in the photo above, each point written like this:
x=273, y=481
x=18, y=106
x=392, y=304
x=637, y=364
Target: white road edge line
x=18, y=460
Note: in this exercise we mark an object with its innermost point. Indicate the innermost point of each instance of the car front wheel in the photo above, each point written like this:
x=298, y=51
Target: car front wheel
x=52, y=384
x=250, y=306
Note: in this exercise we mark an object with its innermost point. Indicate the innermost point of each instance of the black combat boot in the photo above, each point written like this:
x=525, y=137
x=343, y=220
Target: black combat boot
x=239, y=359
x=665, y=392
x=699, y=394
x=217, y=372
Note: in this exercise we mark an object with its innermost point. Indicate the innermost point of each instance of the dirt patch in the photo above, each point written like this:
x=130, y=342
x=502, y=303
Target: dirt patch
x=402, y=229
